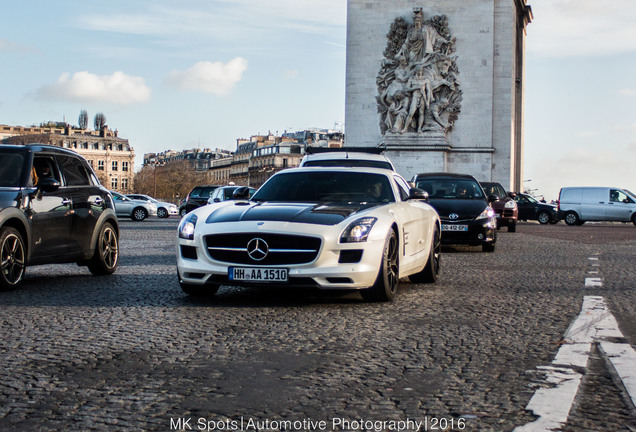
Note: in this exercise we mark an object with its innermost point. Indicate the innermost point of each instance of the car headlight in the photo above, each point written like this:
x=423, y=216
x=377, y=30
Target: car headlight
x=510, y=204
x=358, y=231
x=186, y=227
x=486, y=214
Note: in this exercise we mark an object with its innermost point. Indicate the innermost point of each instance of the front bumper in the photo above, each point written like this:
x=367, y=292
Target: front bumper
x=478, y=232
x=327, y=271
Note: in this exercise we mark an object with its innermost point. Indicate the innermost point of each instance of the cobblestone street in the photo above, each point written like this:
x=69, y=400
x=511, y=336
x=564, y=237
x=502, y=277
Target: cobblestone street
x=132, y=352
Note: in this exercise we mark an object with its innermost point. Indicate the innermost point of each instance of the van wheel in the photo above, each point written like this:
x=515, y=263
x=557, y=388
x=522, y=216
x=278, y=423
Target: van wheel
x=571, y=218
x=12, y=254
x=634, y=219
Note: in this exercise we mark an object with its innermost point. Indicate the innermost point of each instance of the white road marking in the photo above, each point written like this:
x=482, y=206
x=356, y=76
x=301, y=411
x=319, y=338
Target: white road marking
x=552, y=404
x=593, y=282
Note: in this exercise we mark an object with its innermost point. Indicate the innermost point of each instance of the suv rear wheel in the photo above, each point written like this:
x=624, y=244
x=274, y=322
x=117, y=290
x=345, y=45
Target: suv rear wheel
x=12, y=257
x=106, y=255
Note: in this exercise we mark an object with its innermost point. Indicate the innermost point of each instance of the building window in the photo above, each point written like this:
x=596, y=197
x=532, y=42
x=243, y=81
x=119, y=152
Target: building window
x=124, y=166
x=114, y=166
x=113, y=183
x=124, y=184
x=90, y=162
x=100, y=165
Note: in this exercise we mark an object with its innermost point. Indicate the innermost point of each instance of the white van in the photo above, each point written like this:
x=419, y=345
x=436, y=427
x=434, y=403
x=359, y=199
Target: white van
x=581, y=204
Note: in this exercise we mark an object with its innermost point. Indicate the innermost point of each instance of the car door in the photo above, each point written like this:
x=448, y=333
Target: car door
x=87, y=202
x=619, y=207
x=527, y=209
x=123, y=205
x=51, y=212
x=414, y=232
x=594, y=203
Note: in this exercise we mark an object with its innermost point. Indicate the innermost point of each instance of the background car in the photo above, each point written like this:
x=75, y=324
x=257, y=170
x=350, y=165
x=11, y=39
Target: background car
x=331, y=228
x=531, y=209
x=137, y=210
x=466, y=215
x=164, y=209
x=346, y=156
x=227, y=193
x=505, y=206
x=197, y=197
x=53, y=210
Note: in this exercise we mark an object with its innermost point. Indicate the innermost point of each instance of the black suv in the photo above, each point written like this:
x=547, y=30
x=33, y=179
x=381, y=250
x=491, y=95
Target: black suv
x=196, y=198
x=53, y=210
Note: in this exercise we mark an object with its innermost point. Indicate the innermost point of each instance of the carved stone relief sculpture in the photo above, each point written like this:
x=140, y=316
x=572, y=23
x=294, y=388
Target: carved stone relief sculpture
x=418, y=86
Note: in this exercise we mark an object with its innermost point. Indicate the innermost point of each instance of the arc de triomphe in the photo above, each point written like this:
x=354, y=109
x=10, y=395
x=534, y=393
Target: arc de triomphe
x=440, y=82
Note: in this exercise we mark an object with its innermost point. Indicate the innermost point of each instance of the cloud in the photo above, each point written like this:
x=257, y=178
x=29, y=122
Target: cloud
x=290, y=74
x=118, y=88
x=566, y=28
x=13, y=47
x=216, y=78
x=627, y=92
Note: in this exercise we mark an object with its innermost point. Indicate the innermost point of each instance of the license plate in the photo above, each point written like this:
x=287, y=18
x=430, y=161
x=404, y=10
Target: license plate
x=258, y=274
x=454, y=227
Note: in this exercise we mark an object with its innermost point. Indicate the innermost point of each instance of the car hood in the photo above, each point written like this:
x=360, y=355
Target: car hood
x=464, y=208
x=311, y=213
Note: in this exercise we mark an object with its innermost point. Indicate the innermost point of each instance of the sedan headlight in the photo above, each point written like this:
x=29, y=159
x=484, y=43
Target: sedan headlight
x=486, y=214
x=186, y=227
x=358, y=231
x=510, y=204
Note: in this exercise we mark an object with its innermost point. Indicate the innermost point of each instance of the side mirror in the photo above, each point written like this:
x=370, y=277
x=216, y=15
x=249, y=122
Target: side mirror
x=492, y=198
x=217, y=199
x=48, y=184
x=241, y=193
x=418, y=194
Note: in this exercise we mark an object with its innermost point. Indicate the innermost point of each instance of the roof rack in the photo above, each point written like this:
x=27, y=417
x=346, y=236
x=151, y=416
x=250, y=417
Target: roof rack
x=370, y=150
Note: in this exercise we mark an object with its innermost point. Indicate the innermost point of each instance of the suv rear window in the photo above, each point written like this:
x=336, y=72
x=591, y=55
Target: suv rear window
x=10, y=169
x=202, y=192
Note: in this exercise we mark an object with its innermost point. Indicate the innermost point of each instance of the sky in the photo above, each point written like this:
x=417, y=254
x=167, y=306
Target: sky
x=203, y=73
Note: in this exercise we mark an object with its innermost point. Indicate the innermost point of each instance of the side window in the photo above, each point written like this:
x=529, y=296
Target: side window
x=619, y=196
x=403, y=188
x=44, y=166
x=73, y=171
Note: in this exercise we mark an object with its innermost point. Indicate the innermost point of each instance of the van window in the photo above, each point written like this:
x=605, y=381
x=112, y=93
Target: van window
x=616, y=195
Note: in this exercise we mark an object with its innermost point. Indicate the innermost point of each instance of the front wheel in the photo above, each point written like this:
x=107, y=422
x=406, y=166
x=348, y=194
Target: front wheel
x=571, y=218
x=385, y=286
x=512, y=226
x=162, y=213
x=634, y=219
x=139, y=214
x=430, y=273
x=488, y=247
x=106, y=256
x=13, y=259
x=543, y=217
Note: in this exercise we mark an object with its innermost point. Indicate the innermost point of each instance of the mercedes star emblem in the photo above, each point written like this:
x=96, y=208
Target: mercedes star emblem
x=257, y=249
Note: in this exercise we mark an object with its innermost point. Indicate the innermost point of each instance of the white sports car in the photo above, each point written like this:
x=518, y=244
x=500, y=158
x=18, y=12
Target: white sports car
x=331, y=228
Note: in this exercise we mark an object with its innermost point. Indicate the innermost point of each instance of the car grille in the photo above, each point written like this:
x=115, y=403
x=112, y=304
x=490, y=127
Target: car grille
x=275, y=249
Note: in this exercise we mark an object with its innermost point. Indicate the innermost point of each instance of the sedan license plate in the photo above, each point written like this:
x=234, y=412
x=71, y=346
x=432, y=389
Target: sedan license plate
x=258, y=274
x=447, y=227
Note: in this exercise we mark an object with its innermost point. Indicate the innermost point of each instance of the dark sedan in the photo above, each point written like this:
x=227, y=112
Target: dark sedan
x=531, y=209
x=466, y=215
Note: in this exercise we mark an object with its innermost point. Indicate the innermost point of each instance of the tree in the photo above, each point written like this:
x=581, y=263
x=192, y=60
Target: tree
x=83, y=119
x=100, y=121
x=172, y=180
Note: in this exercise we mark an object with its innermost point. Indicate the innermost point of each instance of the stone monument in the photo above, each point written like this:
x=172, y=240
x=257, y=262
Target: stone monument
x=439, y=83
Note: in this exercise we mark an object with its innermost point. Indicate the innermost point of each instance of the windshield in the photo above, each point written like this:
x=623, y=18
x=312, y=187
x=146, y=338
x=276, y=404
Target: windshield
x=494, y=189
x=326, y=186
x=10, y=169
x=451, y=188
x=630, y=193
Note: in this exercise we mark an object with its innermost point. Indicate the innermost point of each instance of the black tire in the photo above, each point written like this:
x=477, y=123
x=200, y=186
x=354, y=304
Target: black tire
x=571, y=218
x=162, y=213
x=488, y=247
x=183, y=212
x=386, y=284
x=430, y=273
x=634, y=219
x=554, y=221
x=512, y=226
x=106, y=256
x=198, y=290
x=12, y=259
x=544, y=217
x=139, y=214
